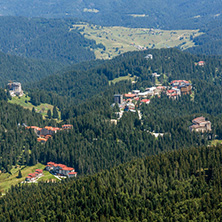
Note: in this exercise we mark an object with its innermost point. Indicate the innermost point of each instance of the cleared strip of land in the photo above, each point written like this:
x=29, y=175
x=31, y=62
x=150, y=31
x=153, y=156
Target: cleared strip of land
x=119, y=39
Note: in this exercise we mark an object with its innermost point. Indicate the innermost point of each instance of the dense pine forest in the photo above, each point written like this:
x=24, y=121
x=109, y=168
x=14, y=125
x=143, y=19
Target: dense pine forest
x=24, y=70
x=183, y=185
x=94, y=136
x=140, y=164
x=45, y=39
x=125, y=172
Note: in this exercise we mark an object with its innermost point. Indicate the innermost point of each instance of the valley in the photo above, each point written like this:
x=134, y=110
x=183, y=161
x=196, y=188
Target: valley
x=116, y=40
x=111, y=111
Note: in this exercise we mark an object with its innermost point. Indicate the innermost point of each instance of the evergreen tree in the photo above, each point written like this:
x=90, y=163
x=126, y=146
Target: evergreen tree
x=55, y=114
x=19, y=174
x=49, y=114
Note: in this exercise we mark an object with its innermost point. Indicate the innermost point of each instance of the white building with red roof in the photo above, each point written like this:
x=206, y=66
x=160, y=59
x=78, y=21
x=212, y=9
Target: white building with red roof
x=60, y=169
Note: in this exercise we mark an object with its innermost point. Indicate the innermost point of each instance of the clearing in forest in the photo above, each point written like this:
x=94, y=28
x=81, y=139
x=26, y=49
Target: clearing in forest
x=117, y=39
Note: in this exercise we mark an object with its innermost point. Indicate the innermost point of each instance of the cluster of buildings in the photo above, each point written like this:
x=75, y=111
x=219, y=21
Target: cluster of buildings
x=15, y=89
x=127, y=101
x=200, y=124
x=32, y=177
x=61, y=170
x=45, y=133
x=178, y=88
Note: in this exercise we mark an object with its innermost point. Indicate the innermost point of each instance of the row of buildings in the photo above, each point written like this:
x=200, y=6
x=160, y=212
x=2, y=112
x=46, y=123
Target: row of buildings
x=32, y=177
x=60, y=170
x=178, y=88
x=46, y=132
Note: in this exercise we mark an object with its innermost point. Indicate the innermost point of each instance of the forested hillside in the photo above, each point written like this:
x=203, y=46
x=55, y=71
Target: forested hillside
x=15, y=68
x=44, y=39
x=211, y=42
x=184, y=185
x=94, y=136
x=16, y=141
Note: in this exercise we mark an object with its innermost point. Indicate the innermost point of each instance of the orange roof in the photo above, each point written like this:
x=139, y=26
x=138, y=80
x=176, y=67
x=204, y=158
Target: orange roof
x=50, y=163
x=145, y=100
x=68, y=168
x=72, y=173
x=67, y=125
x=41, y=140
x=130, y=95
x=52, y=128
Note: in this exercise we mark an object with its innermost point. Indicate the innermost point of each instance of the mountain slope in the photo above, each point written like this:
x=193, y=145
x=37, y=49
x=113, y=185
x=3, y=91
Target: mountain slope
x=175, y=186
x=44, y=39
x=15, y=68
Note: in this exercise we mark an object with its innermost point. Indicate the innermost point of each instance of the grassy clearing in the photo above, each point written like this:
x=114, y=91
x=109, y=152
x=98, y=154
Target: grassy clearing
x=47, y=177
x=119, y=39
x=7, y=180
x=24, y=101
x=122, y=78
x=215, y=142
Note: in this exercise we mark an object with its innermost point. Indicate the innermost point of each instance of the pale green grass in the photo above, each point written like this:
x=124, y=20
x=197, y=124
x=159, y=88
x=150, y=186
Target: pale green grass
x=119, y=39
x=47, y=176
x=122, y=78
x=7, y=180
x=24, y=102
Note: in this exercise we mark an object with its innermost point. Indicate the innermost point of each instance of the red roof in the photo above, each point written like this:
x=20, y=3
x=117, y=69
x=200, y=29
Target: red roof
x=174, y=94
x=72, y=173
x=137, y=98
x=51, y=163
x=179, y=81
x=171, y=91
x=39, y=170
x=145, y=100
x=67, y=168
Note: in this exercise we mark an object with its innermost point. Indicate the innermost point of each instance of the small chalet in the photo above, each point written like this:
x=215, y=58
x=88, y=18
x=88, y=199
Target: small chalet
x=201, y=63
x=200, y=124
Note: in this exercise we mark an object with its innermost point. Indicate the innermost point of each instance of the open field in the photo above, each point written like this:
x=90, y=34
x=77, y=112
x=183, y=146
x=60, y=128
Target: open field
x=7, y=180
x=122, y=78
x=118, y=39
x=24, y=102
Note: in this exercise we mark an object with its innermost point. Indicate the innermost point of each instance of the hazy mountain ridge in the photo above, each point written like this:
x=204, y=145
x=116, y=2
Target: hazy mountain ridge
x=164, y=14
